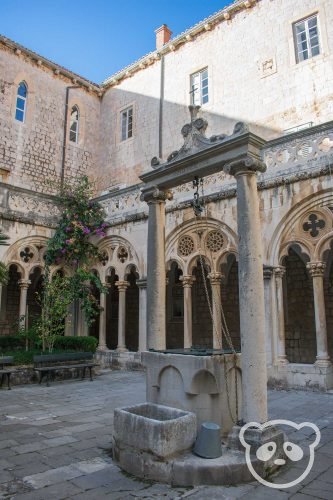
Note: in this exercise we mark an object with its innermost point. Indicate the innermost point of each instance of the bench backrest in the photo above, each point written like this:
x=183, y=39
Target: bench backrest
x=6, y=360
x=60, y=358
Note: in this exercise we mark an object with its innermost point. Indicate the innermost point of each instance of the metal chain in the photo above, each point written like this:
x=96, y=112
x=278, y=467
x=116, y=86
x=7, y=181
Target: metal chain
x=224, y=327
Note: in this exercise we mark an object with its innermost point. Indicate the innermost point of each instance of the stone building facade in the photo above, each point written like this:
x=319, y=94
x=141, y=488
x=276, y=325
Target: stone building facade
x=268, y=63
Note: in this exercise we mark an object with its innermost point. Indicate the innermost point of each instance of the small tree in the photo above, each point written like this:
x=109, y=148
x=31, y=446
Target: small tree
x=54, y=301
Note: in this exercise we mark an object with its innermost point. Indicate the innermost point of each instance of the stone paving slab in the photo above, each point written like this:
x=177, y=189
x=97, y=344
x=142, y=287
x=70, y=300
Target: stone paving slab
x=55, y=443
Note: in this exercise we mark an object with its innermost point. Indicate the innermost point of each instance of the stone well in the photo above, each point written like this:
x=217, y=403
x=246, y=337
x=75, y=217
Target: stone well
x=202, y=384
x=147, y=437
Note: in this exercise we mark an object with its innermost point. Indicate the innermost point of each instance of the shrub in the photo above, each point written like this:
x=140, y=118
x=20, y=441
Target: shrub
x=84, y=344
x=11, y=343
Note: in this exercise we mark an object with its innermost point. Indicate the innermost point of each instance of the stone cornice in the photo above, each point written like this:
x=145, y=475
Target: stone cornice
x=187, y=36
x=56, y=68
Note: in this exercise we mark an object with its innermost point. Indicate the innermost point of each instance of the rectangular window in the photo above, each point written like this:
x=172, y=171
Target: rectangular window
x=126, y=124
x=306, y=36
x=199, y=87
x=20, y=109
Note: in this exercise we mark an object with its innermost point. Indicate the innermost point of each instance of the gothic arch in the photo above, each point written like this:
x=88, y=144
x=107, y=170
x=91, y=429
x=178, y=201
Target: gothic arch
x=118, y=253
x=284, y=232
x=207, y=236
x=27, y=253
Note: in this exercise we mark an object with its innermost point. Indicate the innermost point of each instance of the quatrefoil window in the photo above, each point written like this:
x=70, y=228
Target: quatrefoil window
x=26, y=254
x=122, y=254
x=313, y=225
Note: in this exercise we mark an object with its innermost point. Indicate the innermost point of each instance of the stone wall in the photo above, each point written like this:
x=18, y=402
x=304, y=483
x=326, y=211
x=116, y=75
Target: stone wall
x=253, y=77
x=31, y=152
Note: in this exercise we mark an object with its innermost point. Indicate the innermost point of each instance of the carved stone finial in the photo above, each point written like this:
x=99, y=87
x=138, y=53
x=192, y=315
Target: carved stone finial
x=155, y=162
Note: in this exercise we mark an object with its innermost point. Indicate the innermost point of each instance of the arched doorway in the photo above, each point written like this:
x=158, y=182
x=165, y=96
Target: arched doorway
x=112, y=305
x=328, y=293
x=202, y=334
x=300, y=329
x=11, y=302
x=175, y=308
x=230, y=300
x=33, y=310
x=132, y=311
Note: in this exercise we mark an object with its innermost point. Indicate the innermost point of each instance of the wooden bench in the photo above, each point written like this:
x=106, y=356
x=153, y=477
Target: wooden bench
x=47, y=364
x=5, y=371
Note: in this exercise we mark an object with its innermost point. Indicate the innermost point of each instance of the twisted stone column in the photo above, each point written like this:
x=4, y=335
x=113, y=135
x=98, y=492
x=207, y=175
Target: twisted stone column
x=24, y=285
x=142, y=285
x=279, y=272
x=122, y=287
x=317, y=270
x=251, y=289
x=215, y=281
x=187, y=281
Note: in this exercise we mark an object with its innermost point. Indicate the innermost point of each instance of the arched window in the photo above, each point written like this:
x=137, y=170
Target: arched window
x=21, y=102
x=74, y=125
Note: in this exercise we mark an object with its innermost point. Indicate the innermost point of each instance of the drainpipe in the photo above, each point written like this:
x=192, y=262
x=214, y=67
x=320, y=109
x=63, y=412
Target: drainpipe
x=62, y=176
x=160, y=124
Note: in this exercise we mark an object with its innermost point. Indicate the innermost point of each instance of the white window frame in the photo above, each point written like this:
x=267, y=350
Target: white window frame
x=24, y=99
x=77, y=121
x=309, y=48
x=126, y=123
x=199, y=95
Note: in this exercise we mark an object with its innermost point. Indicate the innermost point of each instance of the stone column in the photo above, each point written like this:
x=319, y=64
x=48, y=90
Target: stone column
x=251, y=290
x=24, y=285
x=122, y=287
x=279, y=272
x=268, y=273
x=142, y=284
x=156, y=270
x=102, y=321
x=317, y=270
x=215, y=281
x=187, y=281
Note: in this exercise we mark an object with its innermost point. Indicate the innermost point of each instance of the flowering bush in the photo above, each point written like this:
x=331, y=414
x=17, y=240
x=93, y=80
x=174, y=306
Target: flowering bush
x=71, y=247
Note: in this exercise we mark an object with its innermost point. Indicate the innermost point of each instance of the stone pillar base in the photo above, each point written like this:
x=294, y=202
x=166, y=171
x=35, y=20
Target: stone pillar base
x=103, y=348
x=282, y=360
x=121, y=349
x=323, y=362
x=256, y=437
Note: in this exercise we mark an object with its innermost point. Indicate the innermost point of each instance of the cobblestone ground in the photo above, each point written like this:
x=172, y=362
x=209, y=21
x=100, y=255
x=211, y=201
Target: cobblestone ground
x=55, y=444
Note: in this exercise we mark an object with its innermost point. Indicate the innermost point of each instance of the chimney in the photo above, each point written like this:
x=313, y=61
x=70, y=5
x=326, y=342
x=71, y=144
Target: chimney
x=163, y=35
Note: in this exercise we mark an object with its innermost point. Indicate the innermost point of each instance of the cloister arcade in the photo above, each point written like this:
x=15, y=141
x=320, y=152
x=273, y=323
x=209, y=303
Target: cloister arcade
x=298, y=279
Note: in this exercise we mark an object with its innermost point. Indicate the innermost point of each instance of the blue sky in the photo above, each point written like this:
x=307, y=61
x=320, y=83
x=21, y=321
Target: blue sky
x=96, y=38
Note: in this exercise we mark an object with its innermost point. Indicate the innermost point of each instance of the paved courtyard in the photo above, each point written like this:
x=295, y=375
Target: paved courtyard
x=55, y=444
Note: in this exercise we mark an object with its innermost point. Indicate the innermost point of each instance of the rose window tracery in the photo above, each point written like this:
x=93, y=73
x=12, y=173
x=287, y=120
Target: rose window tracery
x=214, y=241
x=185, y=246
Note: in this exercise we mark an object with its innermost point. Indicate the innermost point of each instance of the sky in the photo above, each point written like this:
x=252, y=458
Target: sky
x=96, y=38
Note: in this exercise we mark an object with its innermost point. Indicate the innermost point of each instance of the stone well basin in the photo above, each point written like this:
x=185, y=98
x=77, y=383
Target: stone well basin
x=158, y=430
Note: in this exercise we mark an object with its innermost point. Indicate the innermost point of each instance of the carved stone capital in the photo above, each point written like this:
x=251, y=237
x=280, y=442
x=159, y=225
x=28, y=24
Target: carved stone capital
x=279, y=272
x=244, y=166
x=122, y=285
x=215, y=278
x=24, y=283
x=316, y=268
x=268, y=272
x=155, y=195
x=187, y=280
